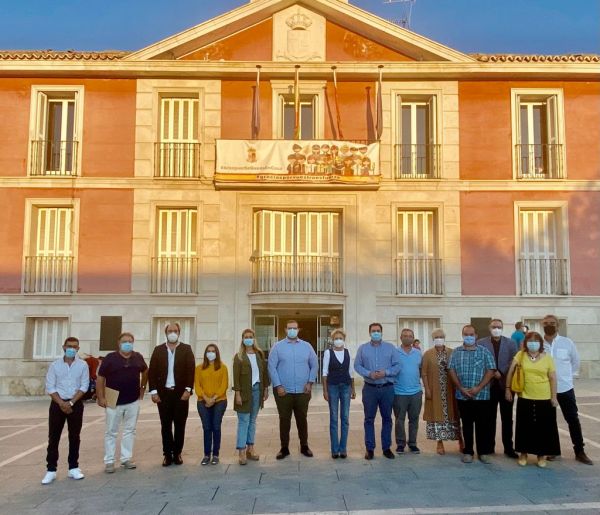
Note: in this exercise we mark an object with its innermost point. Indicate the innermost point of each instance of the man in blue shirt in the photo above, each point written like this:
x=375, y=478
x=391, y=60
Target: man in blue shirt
x=471, y=369
x=408, y=394
x=519, y=335
x=378, y=363
x=293, y=369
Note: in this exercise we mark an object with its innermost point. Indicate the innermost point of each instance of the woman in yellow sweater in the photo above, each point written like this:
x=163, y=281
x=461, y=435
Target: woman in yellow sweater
x=536, y=430
x=211, y=387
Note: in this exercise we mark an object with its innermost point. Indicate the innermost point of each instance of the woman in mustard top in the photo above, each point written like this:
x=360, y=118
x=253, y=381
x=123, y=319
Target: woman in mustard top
x=536, y=430
x=211, y=387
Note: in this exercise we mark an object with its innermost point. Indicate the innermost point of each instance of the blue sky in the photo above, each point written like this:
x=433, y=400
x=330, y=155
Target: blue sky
x=519, y=26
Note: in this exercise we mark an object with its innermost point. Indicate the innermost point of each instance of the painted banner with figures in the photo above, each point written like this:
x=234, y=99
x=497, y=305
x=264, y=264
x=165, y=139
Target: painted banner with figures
x=285, y=161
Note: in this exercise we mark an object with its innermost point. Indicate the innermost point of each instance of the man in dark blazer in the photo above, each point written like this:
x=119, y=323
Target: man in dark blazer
x=503, y=349
x=171, y=379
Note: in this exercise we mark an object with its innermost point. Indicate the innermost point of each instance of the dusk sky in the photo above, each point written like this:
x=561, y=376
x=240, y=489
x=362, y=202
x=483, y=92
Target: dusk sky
x=487, y=26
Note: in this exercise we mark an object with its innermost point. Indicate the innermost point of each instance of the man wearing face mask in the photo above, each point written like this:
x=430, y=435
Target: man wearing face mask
x=293, y=369
x=171, y=379
x=126, y=372
x=67, y=381
x=471, y=369
x=377, y=361
x=503, y=350
x=566, y=360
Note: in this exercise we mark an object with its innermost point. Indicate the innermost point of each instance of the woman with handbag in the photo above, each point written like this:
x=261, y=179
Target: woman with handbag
x=533, y=377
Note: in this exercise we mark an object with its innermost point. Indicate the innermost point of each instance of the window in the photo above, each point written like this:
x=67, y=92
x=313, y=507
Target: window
x=306, y=113
x=187, y=324
x=45, y=336
x=49, y=266
x=417, y=151
x=297, y=251
x=537, y=134
x=55, y=130
x=175, y=265
x=311, y=114
x=422, y=327
x=178, y=148
x=418, y=268
x=543, y=267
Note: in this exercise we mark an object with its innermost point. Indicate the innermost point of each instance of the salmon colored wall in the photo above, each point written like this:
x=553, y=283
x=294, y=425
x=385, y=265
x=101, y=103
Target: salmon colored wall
x=105, y=235
x=236, y=105
x=341, y=42
x=488, y=240
x=252, y=44
x=357, y=111
x=485, y=128
x=108, y=125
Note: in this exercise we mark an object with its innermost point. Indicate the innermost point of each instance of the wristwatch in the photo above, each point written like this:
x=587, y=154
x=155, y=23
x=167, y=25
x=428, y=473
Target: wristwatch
x=71, y=403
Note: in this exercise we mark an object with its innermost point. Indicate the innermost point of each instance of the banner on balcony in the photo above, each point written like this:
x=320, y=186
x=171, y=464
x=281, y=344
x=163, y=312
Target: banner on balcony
x=279, y=161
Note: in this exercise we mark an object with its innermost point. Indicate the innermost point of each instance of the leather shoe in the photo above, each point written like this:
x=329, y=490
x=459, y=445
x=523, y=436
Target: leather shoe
x=306, y=451
x=511, y=454
x=582, y=457
x=369, y=455
x=343, y=455
x=177, y=460
x=282, y=453
x=389, y=454
x=335, y=455
x=167, y=461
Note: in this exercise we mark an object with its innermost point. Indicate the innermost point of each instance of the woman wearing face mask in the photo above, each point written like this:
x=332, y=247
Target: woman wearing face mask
x=441, y=412
x=338, y=389
x=251, y=387
x=211, y=381
x=536, y=430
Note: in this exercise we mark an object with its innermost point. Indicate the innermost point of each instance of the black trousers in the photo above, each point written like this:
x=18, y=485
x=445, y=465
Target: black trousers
x=568, y=406
x=173, y=417
x=506, y=416
x=476, y=414
x=56, y=423
x=296, y=403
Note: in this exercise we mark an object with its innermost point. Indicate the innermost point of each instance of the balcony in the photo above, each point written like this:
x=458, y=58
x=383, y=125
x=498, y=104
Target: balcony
x=177, y=160
x=543, y=276
x=418, y=161
x=418, y=276
x=48, y=274
x=297, y=274
x=175, y=275
x=540, y=161
x=54, y=158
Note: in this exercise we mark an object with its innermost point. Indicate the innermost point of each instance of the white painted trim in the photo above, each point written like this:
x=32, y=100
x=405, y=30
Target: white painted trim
x=312, y=87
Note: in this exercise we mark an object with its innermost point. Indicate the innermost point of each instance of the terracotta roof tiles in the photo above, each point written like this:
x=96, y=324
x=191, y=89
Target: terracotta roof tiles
x=536, y=58
x=54, y=55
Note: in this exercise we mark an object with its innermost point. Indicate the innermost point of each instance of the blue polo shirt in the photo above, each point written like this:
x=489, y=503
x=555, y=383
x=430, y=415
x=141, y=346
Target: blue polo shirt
x=408, y=381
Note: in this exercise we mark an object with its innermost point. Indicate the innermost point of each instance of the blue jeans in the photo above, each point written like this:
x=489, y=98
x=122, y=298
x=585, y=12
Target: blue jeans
x=339, y=402
x=382, y=398
x=211, y=425
x=247, y=421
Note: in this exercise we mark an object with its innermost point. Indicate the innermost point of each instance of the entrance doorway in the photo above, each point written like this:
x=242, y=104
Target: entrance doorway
x=315, y=326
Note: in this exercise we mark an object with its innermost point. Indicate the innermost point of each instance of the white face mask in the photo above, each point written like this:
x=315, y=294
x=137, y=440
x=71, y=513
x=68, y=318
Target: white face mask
x=496, y=332
x=211, y=356
x=338, y=342
x=172, y=337
x=439, y=342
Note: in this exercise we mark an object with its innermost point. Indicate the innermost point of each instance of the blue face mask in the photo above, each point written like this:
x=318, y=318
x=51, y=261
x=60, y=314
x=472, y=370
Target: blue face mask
x=469, y=340
x=248, y=342
x=70, y=353
x=533, y=346
x=376, y=336
x=127, y=346
x=292, y=333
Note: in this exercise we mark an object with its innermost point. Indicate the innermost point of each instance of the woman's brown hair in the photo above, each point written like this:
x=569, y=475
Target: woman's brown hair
x=217, y=361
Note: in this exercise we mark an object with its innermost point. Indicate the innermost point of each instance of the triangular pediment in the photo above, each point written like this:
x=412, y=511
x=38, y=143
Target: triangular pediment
x=255, y=31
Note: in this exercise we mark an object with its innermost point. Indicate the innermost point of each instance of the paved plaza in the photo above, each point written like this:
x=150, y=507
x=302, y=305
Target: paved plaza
x=425, y=483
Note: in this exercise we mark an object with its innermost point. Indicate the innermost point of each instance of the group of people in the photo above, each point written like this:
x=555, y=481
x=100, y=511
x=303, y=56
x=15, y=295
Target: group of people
x=463, y=389
x=330, y=160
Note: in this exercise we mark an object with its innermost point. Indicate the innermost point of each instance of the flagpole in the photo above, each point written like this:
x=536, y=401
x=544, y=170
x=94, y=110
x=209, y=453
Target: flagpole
x=256, y=106
x=337, y=105
x=297, y=131
x=379, y=125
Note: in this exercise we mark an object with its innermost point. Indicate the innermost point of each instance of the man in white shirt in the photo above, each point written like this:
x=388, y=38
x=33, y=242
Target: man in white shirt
x=566, y=361
x=67, y=381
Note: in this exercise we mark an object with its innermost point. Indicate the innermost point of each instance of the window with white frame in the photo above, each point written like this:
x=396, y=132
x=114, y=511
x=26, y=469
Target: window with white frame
x=417, y=149
x=49, y=265
x=418, y=267
x=178, y=148
x=307, y=111
x=55, y=131
x=45, y=336
x=422, y=327
x=538, y=134
x=543, y=266
x=187, y=334
x=175, y=265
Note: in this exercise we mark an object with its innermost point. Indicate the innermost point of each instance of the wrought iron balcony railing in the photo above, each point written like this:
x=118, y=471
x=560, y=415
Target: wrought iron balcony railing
x=178, y=275
x=48, y=274
x=541, y=161
x=177, y=160
x=418, y=276
x=54, y=158
x=544, y=276
x=418, y=161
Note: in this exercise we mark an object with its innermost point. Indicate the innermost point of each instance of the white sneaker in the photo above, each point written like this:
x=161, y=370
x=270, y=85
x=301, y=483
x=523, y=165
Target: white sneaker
x=75, y=474
x=48, y=478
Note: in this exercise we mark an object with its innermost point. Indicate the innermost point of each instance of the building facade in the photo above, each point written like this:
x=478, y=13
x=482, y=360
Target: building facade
x=302, y=160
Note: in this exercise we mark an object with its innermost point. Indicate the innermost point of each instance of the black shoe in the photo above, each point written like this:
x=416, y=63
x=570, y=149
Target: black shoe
x=343, y=455
x=205, y=460
x=334, y=455
x=582, y=457
x=414, y=449
x=389, y=454
x=282, y=453
x=306, y=451
x=369, y=455
x=177, y=459
x=400, y=449
x=167, y=460
x=511, y=454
